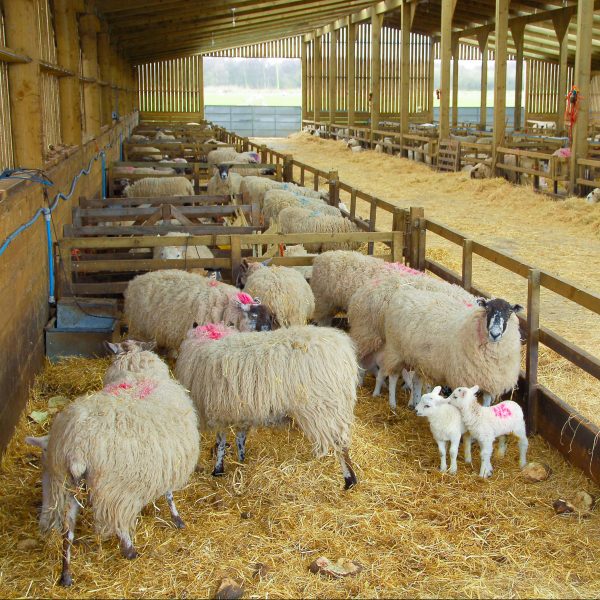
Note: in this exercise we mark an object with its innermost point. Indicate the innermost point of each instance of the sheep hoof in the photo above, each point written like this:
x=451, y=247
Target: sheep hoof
x=130, y=553
x=452, y=471
x=350, y=482
x=218, y=472
x=376, y=394
x=65, y=580
x=485, y=473
x=178, y=522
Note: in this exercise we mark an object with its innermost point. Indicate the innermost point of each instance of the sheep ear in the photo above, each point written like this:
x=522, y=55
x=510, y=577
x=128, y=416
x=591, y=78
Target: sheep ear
x=148, y=345
x=40, y=442
x=482, y=302
x=266, y=263
x=194, y=325
x=517, y=308
x=114, y=348
x=256, y=300
x=436, y=390
x=475, y=389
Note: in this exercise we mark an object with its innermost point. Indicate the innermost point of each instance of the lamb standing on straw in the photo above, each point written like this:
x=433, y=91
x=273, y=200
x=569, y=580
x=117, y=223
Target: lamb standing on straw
x=132, y=442
x=259, y=379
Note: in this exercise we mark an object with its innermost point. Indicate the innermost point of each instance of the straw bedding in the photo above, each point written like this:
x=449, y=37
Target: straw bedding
x=561, y=237
x=417, y=533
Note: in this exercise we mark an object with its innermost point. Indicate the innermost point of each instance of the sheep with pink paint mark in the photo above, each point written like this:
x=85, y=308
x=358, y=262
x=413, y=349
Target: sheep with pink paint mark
x=446, y=424
x=486, y=423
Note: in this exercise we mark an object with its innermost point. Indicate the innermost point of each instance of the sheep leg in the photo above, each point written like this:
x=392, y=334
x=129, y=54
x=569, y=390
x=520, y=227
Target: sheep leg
x=392, y=391
x=454, y=443
x=378, y=383
x=523, y=444
x=347, y=470
x=415, y=393
x=177, y=520
x=66, y=579
x=467, y=441
x=442, y=448
x=487, y=399
x=240, y=442
x=220, y=452
x=486, y=455
x=128, y=551
x=502, y=446
x=361, y=376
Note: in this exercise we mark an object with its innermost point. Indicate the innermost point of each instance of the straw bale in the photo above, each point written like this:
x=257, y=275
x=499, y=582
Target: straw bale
x=417, y=532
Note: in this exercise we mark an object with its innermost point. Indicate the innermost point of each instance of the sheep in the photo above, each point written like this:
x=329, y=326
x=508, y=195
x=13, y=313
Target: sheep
x=159, y=186
x=184, y=252
x=229, y=155
x=276, y=200
x=254, y=188
x=357, y=149
x=161, y=304
x=299, y=250
x=367, y=311
x=446, y=424
x=131, y=442
x=258, y=379
x=282, y=290
x=451, y=341
x=336, y=276
x=483, y=170
x=224, y=182
x=299, y=220
x=486, y=423
x=593, y=196
x=138, y=138
x=352, y=143
x=147, y=152
x=164, y=137
x=133, y=356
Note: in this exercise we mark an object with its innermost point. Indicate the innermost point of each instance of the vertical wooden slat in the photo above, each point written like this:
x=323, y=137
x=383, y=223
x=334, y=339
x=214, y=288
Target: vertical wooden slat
x=376, y=23
x=317, y=70
x=467, y=265
x=405, y=64
x=445, y=53
x=500, y=74
x=351, y=70
x=532, y=352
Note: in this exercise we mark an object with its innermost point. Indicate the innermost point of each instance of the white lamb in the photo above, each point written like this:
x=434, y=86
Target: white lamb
x=159, y=186
x=259, y=379
x=181, y=252
x=161, y=306
x=283, y=290
x=446, y=425
x=131, y=442
x=486, y=423
x=594, y=196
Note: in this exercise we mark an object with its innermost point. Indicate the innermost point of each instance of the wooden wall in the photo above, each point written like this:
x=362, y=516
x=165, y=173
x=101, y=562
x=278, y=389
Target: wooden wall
x=47, y=101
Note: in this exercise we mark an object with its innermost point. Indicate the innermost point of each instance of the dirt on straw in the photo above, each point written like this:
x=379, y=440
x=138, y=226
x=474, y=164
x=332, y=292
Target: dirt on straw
x=417, y=532
x=560, y=236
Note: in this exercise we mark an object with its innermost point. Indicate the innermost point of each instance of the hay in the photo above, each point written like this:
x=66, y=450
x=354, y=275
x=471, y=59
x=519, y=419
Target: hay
x=417, y=533
x=562, y=237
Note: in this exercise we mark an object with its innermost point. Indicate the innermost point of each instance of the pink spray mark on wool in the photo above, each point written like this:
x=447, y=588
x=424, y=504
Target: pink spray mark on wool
x=213, y=283
x=401, y=268
x=140, y=390
x=244, y=298
x=502, y=411
x=212, y=331
x=468, y=304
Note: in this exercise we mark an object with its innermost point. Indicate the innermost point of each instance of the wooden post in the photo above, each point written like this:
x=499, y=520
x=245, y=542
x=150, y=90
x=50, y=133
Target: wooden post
x=533, y=339
x=583, y=57
x=353, y=202
x=500, y=76
x=263, y=154
x=24, y=83
x=430, y=82
x=376, y=23
x=89, y=26
x=417, y=231
x=445, y=53
x=334, y=188
x=455, y=62
x=372, y=221
x=288, y=168
x=398, y=219
x=518, y=32
x=67, y=47
x=467, y=265
x=200, y=87
x=405, y=68
x=483, y=47
x=104, y=67
x=317, y=74
x=333, y=39
x=303, y=62
x=236, y=256
x=561, y=25
x=351, y=66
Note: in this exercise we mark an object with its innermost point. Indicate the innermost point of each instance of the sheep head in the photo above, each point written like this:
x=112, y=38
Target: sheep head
x=497, y=314
x=463, y=396
x=429, y=402
x=129, y=346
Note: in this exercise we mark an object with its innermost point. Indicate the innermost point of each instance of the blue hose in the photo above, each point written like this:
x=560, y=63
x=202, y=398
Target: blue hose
x=47, y=218
x=103, y=190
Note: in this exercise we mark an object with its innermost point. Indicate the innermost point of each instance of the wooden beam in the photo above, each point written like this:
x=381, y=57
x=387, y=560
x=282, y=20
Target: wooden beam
x=332, y=72
x=24, y=84
x=89, y=26
x=405, y=66
x=317, y=74
x=430, y=83
x=448, y=7
x=455, y=63
x=561, y=25
x=303, y=62
x=483, y=47
x=376, y=24
x=351, y=67
x=518, y=31
x=500, y=75
x=585, y=11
